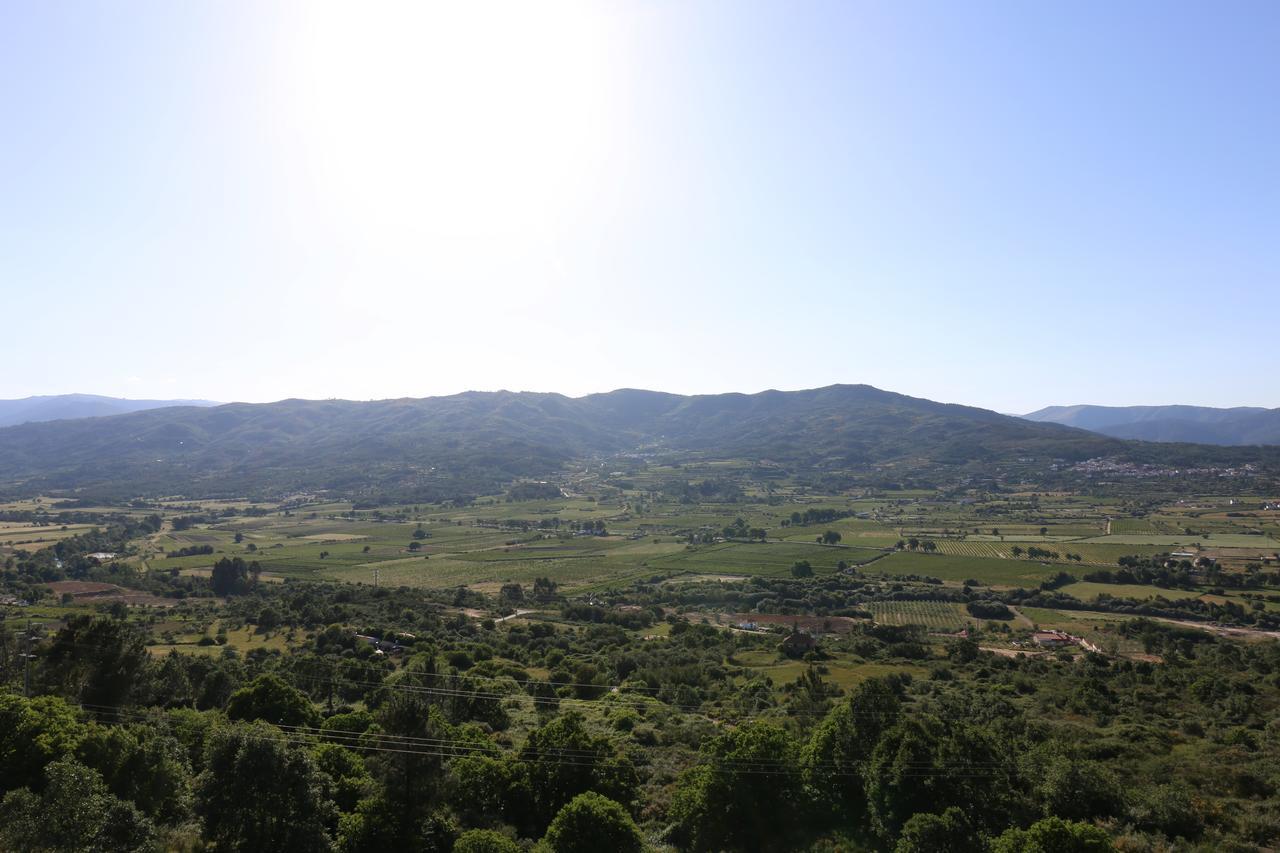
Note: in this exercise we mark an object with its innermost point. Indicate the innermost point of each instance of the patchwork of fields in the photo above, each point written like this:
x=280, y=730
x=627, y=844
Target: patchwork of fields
x=494, y=542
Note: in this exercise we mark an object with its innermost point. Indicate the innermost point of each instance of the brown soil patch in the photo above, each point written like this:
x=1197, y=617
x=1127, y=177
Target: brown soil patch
x=90, y=592
x=819, y=624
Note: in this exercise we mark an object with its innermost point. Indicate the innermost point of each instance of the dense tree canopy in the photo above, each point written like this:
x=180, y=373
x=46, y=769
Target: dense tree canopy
x=259, y=792
x=591, y=822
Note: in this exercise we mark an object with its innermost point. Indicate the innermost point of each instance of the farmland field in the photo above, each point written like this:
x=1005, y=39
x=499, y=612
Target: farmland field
x=773, y=558
x=940, y=616
x=988, y=570
x=841, y=670
x=967, y=548
x=1096, y=627
x=493, y=542
x=1214, y=540
x=32, y=537
x=1086, y=591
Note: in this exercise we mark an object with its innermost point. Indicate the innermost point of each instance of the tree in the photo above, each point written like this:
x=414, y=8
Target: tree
x=96, y=660
x=964, y=650
x=380, y=824
x=268, y=698
x=233, y=576
x=922, y=765
x=834, y=760
x=488, y=790
x=1054, y=835
x=591, y=822
x=948, y=832
x=75, y=811
x=34, y=732
x=564, y=759
x=544, y=589
x=258, y=792
x=986, y=609
x=802, y=569
x=1168, y=808
x=170, y=683
x=348, y=781
x=723, y=804
x=485, y=841
x=1075, y=789
x=830, y=537
x=141, y=765
x=269, y=618
x=411, y=779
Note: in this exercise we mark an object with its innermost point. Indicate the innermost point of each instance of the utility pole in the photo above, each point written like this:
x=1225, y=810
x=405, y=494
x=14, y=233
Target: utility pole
x=26, y=671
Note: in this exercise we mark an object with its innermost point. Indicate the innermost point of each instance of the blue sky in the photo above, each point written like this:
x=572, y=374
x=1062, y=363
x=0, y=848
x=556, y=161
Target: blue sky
x=1006, y=204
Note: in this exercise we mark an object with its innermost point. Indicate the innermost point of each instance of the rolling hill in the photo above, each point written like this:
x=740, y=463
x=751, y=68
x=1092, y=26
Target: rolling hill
x=1243, y=425
x=66, y=406
x=442, y=446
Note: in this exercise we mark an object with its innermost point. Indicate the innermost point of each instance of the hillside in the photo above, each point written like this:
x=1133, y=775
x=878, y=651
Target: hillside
x=850, y=425
x=65, y=406
x=442, y=446
x=1242, y=425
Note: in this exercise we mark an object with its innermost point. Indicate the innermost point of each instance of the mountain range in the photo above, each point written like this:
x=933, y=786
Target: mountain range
x=1242, y=425
x=63, y=406
x=436, y=447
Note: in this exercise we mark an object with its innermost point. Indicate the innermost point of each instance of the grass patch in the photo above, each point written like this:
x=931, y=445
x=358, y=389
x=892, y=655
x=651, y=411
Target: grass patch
x=1088, y=591
x=947, y=567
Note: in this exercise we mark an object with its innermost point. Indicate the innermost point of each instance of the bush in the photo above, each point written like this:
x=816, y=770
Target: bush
x=989, y=610
x=591, y=822
x=1054, y=835
x=484, y=841
x=269, y=698
x=948, y=832
x=1168, y=809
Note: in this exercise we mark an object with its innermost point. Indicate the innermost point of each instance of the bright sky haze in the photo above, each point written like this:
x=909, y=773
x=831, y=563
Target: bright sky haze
x=1005, y=204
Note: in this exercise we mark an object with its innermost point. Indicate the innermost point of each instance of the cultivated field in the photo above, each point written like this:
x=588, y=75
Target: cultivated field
x=938, y=616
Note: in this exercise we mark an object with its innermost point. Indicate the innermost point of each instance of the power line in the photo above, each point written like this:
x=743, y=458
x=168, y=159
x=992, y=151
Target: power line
x=453, y=748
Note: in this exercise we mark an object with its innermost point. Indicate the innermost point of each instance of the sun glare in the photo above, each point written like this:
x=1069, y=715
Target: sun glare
x=453, y=124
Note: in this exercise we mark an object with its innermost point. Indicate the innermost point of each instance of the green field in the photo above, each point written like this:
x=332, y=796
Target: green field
x=940, y=616
x=34, y=537
x=842, y=670
x=495, y=541
x=1214, y=540
x=1088, y=591
x=986, y=570
x=1098, y=628
x=768, y=558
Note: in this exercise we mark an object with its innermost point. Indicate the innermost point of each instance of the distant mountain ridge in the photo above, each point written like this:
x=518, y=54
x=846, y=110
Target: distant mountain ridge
x=1242, y=425
x=64, y=406
x=477, y=442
